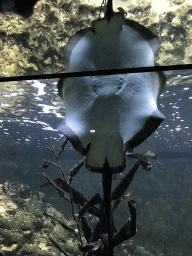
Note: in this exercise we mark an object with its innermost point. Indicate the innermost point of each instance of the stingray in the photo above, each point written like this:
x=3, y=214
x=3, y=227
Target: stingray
x=105, y=116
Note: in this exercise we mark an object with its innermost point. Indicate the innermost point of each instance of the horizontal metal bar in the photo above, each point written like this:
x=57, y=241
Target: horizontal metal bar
x=97, y=72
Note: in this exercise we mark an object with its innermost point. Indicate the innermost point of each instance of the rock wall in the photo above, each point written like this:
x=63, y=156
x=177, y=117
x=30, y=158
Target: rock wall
x=25, y=230
x=34, y=45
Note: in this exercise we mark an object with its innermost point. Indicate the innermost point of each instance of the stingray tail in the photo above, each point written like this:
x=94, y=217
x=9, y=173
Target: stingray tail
x=107, y=182
x=109, y=10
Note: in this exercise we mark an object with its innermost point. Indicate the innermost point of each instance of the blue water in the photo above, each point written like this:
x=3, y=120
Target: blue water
x=30, y=113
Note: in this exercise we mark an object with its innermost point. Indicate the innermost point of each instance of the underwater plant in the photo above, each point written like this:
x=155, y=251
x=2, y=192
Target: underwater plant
x=96, y=238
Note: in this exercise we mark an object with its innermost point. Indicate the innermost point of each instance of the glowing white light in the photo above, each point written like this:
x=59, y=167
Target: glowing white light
x=40, y=87
x=4, y=105
x=46, y=108
x=92, y=131
x=48, y=129
x=28, y=121
x=13, y=94
x=37, y=98
x=2, y=209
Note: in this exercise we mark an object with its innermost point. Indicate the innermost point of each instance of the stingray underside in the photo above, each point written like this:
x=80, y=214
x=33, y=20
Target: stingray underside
x=107, y=115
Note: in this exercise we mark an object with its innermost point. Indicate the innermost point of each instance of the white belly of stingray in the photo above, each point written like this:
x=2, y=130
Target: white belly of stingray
x=106, y=115
x=95, y=118
x=106, y=112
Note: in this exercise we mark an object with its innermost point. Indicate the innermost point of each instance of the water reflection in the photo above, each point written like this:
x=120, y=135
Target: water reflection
x=31, y=105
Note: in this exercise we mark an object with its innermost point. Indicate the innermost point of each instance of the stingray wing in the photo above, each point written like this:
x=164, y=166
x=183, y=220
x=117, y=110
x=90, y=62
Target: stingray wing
x=103, y=113
x=140, y=116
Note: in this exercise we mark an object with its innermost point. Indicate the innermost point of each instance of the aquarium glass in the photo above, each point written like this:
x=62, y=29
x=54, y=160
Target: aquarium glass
x=30, y=113
x=31, y=110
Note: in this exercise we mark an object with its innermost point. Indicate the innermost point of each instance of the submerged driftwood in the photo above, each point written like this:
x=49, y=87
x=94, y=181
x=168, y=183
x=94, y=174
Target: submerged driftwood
x=96, y=238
